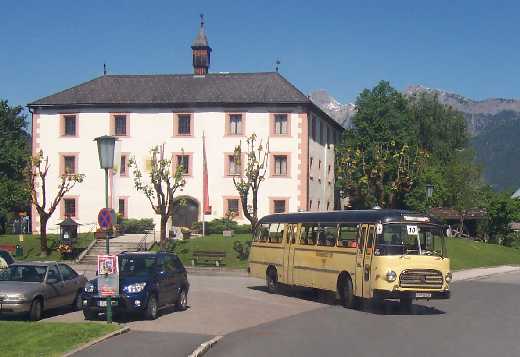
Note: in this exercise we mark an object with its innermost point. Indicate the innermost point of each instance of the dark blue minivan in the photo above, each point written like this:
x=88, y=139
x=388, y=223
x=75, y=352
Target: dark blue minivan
x=147, y=282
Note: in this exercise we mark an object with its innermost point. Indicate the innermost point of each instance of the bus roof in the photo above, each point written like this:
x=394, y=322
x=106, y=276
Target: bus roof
x=350, y=216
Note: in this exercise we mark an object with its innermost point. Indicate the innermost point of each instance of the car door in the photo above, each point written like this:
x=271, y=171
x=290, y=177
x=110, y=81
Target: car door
x=166, y=278
x=71, y=283
x=180, y=277
x=53, y=287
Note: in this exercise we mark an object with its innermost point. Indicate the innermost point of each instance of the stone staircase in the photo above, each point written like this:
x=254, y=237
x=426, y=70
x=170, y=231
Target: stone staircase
x=99, y=249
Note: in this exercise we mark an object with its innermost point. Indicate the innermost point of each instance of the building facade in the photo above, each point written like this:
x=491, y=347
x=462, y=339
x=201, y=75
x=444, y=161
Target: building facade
x=184, y=114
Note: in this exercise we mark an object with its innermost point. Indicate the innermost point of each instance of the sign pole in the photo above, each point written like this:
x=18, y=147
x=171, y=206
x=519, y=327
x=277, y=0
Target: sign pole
x=109, y=300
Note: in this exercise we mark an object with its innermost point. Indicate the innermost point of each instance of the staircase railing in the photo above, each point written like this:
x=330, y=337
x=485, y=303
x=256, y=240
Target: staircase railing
x=142, y=245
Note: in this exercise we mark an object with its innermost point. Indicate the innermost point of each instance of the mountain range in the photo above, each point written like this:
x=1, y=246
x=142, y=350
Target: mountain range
x=493, y=124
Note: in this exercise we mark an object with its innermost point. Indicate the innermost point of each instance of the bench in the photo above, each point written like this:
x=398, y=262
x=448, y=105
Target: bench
x=207, y=256
x=11, y=248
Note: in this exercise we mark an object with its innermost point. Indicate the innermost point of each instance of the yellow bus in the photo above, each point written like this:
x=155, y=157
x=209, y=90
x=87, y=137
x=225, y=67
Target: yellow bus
x=369, y=254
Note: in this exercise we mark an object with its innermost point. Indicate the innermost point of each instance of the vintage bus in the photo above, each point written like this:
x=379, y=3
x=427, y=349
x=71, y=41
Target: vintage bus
x=370, y=254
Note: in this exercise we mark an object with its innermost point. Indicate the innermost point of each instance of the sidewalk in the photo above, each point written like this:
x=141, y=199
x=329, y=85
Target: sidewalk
x=478, y=273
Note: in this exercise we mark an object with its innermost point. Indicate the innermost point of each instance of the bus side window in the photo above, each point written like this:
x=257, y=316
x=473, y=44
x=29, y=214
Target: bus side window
x=348, y=236
x=308, y=235
x=276, y=232
x=290, y=234
x=328, y=235
x=262, y=233
x=361, y=237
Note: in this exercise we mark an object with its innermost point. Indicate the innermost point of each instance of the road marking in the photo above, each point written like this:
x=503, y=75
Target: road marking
x=204, y=347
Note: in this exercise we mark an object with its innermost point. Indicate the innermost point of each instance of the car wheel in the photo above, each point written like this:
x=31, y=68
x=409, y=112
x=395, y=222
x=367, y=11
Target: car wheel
x=90, y=315
x=272, y=281
x=77, y=304
x=182, y=301
x=151, y=308
x=346, y=293
x=35, y=313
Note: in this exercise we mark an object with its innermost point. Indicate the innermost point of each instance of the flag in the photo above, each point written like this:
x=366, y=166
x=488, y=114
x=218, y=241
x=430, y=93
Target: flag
x=205, y=199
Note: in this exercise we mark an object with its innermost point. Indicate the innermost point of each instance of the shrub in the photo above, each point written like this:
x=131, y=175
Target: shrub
x=136, y=226
x=242, y=249
x=218, y=225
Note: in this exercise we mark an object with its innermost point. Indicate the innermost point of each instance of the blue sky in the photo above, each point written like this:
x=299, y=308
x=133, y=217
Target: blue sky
x=470, y=47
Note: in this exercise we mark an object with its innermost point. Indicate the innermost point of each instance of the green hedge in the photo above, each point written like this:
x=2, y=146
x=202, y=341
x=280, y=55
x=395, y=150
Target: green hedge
x=218, y=225
x=136, y=226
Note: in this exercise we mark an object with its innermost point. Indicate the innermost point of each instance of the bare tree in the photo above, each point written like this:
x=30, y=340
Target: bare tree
x=163, y=184
x=254, y=171
x=38, y=170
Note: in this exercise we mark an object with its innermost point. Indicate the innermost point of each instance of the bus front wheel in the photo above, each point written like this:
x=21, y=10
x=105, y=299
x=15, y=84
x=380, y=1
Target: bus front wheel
x=271, y=280
x=346, y=293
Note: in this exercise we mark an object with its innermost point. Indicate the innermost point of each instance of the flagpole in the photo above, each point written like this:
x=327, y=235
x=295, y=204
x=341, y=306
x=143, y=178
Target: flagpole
x=203, y=199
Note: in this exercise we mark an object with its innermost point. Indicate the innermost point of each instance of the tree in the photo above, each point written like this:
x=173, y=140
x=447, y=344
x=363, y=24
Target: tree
x=248, y=182
x=14, y=157
x=161, y=188
x=501, y=211
x=379, y=159
x=37, y=173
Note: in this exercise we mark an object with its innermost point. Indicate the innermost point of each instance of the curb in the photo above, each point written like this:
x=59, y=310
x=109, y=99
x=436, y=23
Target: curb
x=480, y=273
x=205, y=346
x=121, y=331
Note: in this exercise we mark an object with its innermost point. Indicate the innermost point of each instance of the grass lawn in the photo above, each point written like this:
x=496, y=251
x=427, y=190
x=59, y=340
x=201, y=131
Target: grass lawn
x=215, y=242
x=466, y=254
x=45, y=339
x=31, y=245
x=463, y=254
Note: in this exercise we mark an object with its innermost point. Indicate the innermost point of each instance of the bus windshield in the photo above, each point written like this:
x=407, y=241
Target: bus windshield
x=413, y=239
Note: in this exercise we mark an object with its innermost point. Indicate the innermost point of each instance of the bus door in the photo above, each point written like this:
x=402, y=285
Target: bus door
x=360, y=258
x=288, y=258
x=367, y=262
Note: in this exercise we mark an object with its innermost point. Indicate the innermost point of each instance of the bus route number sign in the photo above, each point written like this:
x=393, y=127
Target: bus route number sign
x=412, y=230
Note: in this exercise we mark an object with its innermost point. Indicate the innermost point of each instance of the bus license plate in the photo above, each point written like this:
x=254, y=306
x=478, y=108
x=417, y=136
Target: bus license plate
x=423, y=295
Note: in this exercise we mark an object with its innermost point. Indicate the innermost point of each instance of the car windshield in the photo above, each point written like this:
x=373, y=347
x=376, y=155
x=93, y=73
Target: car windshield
x=136, y=265
x=24, y=273
x=413, y=239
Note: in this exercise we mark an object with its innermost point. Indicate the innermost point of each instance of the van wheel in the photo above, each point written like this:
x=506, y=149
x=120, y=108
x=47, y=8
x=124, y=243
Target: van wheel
x=151, y=308
x=35, y=313
x=271, y=280
x=346, y=293
x=182, y=301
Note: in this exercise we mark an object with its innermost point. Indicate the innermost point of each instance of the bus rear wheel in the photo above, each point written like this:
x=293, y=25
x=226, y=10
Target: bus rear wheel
x=346, y=293
x=271, y=280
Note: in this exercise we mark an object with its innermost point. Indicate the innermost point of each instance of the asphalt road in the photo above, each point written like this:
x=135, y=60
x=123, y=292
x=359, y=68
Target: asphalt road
x=481, y=320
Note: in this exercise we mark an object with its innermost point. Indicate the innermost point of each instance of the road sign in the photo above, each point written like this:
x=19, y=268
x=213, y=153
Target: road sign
x=106, y=218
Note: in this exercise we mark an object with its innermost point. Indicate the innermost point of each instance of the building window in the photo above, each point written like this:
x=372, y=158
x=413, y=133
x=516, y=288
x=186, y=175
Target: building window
x=120, y=125
x=280, y=165
x=234, y=168
x=233, y=205
x=329, y=137
x=123, y=169
x=235, y=124
x=184, y=124
x=310, y=204
x=328, y=206
x=69, y=207
x=281, y=124
x=184, y=161
x=313, y=128
x=279, y=206
x=322, y=132
x=319, y=204
x=69, y=125
x=121, y=207
x=69, y=165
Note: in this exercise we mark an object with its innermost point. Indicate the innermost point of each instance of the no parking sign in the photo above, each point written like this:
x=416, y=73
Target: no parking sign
x=106, y=218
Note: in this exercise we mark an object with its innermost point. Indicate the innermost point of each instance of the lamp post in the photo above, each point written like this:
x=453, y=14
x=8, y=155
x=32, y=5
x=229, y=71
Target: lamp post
x=106, y=145
x=429, y=194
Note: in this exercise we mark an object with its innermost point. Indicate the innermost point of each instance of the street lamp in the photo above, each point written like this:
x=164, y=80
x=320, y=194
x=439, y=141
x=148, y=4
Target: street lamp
x=106, y=145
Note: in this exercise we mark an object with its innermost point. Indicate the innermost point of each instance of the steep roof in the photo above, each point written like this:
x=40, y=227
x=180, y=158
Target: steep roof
x=201, y=40
x=261, y=88
x=232, y=88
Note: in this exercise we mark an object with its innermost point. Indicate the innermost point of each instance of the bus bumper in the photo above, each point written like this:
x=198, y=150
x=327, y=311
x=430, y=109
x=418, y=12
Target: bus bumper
x=417, y=295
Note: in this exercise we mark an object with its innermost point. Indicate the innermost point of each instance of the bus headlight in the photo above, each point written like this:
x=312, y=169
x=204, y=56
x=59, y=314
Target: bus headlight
x=448, y=277
x=391, y=276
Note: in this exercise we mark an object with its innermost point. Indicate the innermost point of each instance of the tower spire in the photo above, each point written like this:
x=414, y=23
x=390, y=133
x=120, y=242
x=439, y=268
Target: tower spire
x=201, y=51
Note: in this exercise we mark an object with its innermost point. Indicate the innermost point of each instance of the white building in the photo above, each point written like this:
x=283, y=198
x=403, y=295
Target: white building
x=177, y=110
